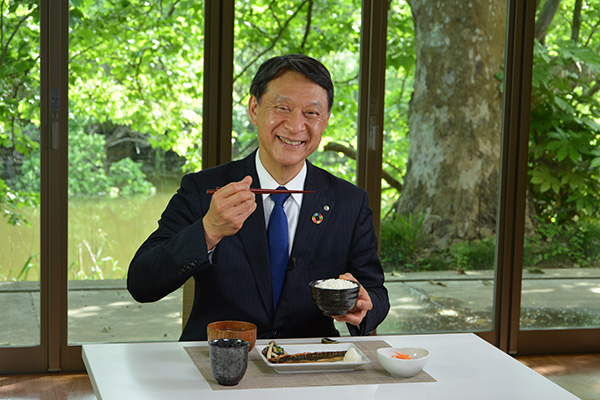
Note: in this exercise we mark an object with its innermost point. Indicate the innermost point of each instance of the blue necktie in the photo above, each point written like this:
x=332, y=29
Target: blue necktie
x=278, y=244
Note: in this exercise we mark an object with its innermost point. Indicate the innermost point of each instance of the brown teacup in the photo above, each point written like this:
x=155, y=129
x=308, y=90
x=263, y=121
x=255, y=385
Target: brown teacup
x=232, y=330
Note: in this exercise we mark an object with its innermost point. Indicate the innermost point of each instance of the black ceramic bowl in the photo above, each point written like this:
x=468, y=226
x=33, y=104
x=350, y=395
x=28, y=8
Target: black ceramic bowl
x=334, y=301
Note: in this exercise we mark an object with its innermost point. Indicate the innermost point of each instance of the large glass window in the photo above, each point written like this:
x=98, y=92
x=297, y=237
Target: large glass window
x=561, y=276
x=20, y=173
x=441, y=160
x=326, y=30
x=135, y=101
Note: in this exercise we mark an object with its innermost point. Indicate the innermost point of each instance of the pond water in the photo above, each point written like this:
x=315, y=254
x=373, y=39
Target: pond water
x=104, y=234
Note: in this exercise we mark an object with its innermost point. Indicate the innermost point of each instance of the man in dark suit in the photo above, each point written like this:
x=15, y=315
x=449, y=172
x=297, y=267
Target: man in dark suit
x=224, y=240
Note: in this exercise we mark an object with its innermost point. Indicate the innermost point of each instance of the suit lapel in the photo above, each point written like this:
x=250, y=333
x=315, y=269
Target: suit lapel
x=253, y=236
x=254, y=240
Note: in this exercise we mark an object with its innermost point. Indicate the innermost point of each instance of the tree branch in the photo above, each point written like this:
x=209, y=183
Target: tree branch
x=351, y=153
x=340, y=148
x=287, y=22
x=140, y=88
x=13, y=35
x=347, y=81
x=545, y=18
x=274, y=12
x=143, y=142
x=592, y=90
x=259, y=29
x=76, y=55
x=576, y=25
x=2, y=22
x=173, y=7
x=593, y=29
x=308, y=24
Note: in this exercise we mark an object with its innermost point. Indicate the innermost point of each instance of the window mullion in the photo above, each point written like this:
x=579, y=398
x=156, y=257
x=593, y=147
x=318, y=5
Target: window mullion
x=371, y=102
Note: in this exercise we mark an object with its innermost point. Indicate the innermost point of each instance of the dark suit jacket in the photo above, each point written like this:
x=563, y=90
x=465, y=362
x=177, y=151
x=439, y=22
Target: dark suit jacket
x=237, y=285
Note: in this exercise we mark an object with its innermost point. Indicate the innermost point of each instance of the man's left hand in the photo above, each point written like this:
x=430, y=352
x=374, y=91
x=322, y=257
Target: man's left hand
x=363, y=304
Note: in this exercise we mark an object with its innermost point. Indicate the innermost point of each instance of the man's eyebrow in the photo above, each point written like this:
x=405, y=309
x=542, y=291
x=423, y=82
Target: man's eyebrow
x=281, y=97
x=315, y=103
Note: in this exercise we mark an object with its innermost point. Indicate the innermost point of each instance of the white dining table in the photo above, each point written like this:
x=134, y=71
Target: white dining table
x=463, y=365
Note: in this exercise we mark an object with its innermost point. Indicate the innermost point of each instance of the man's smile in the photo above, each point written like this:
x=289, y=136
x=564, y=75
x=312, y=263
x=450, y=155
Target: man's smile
x=290, y=142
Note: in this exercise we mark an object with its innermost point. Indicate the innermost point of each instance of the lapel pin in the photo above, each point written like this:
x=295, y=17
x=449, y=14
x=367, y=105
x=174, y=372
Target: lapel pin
x=326, y=207
x=317, y=218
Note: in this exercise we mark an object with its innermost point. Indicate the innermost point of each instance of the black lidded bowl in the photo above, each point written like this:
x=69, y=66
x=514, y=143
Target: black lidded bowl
x=334, y=301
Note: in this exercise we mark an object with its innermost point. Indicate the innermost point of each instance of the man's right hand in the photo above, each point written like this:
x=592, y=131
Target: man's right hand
x=230, y=206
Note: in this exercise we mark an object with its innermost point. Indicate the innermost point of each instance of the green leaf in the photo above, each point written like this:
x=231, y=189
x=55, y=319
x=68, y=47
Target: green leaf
x=574, y=154
x=562, y=153
x=563, y=105
x=595, y=162
x=545, y=186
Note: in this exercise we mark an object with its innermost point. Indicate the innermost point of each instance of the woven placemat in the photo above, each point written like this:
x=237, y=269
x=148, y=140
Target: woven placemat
x=261, y=376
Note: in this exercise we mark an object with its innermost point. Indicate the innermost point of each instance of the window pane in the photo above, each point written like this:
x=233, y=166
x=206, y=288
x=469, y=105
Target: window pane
x=326, y=30
x=441, y=154
x=561, y=269
x=135, y=126
x=19, y=174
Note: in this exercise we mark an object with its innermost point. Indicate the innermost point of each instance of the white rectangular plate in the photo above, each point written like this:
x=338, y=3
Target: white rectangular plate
x=336, y=366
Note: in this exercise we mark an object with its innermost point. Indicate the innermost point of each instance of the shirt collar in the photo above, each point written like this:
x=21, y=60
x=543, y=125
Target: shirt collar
x=266, y=181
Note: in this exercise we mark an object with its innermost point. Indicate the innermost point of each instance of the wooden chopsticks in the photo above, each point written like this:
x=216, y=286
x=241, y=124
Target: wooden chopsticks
x=266, y=191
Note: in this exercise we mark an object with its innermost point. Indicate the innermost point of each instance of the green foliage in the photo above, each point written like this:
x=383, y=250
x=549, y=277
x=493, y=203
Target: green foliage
x=87, y=158
x=554, y=245
x=474, y=255
x=400, y=239
x=13, y=201
x=91, y=263
x=89, y=172
x=140, y=64
x=564, y=156
x=19, y=98
x=127, y=175
x=564, y=245
x=19, y=66
x=31, y=265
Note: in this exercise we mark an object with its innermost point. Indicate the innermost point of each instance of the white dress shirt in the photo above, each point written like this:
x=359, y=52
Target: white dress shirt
x=291, y=205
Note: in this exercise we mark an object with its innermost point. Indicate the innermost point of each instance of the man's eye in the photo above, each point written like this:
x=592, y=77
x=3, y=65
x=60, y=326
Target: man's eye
x=281, y=108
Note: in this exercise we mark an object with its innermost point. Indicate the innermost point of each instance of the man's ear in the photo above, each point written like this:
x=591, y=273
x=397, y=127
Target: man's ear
x=252, y=106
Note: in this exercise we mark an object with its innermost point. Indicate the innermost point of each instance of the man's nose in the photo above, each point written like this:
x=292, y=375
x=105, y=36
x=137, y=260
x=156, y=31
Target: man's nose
x=295, y=121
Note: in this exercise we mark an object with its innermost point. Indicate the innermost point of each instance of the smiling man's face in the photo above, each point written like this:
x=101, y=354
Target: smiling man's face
x=290, y=122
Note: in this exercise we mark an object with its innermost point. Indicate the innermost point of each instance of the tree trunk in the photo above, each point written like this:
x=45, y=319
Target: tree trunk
x=455, y=118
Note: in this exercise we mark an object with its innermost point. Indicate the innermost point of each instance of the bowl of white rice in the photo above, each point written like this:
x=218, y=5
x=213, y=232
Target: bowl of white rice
x=334, y=296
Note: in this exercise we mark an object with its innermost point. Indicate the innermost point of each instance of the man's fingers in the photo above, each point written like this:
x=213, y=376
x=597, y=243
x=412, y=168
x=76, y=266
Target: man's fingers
x=230, y=206
x=363, y=304
x=351, y=318
x=235, y=187
x=234, y=198
x=348, y=276
x=244, y=209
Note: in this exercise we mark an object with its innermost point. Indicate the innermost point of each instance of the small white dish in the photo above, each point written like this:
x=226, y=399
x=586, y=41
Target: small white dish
x=401, y=367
